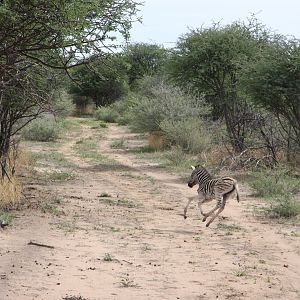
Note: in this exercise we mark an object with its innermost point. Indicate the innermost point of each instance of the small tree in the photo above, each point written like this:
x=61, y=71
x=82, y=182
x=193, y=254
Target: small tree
x=58, y=34
x=103, y=81
x=274, y=83
x=209, y=61
x=144, y=59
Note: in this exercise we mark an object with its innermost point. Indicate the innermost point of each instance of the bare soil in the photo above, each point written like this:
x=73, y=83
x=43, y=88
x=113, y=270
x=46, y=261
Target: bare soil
x=118, y=233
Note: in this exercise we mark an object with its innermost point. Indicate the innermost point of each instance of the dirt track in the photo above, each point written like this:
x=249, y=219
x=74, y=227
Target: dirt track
x=135, y=244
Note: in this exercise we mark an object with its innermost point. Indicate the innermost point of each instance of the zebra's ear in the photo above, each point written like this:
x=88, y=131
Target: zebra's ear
x=193, y=168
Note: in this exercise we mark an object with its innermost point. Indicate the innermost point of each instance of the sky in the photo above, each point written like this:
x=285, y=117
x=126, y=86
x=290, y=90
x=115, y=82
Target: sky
x=164, y=21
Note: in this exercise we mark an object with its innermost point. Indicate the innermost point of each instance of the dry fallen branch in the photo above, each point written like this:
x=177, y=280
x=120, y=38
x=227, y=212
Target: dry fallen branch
x=40, y=245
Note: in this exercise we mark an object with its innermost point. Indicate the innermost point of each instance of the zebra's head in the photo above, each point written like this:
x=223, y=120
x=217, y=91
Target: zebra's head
x=194, y=179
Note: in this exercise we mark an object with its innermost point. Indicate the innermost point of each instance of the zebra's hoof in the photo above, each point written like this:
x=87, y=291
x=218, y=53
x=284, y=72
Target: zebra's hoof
x=207, y=225
x=204, y=219
x=185, y=217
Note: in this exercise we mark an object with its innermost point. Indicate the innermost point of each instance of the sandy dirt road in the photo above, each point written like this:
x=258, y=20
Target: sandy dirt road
x=118, y=233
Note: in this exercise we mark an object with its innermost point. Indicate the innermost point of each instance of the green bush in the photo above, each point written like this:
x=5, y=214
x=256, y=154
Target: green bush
x=63, y=105
x=191, y=134
x=284, y=207
x=163, y=102
x=273, y=182
x=279, y=187
x=43, y=130
x=175, y=156
x=106, y=114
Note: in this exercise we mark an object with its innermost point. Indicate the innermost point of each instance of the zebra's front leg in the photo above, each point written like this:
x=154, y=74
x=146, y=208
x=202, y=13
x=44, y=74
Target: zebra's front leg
x=187, y=205
x=200, y=202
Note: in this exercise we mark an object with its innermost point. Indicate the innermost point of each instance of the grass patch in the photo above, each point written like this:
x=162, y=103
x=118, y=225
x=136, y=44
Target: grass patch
x=147, y=149
x=87, y=149
x=107, y=257
x=126, y=282
x=230, y=227
x=60, y=176
x=6, y=218
x=117, y=202
x=174, y=159
x=106, y=114
x=115, y=229
x=51, y=158
x=67, y=226
x=105, y=195
x=283, y=208
x=274, y=182
x=74, y=298
x=51, y=209
x=279, y=187
x=241, y=272
x=42, y=130
x=118, y=144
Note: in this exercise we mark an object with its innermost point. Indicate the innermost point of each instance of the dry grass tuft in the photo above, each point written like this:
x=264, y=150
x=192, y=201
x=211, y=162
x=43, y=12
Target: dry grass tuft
x=11, y=189
x=10, y=193
x=157, y=140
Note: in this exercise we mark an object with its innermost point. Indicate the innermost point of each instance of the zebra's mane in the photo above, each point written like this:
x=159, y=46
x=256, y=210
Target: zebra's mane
x=203, y=173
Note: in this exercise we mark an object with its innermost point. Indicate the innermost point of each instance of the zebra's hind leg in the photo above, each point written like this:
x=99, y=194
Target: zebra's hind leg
x=209, y=213
x=221, y=207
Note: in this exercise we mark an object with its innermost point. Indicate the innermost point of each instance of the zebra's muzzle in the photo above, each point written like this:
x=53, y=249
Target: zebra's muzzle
x=190, y=185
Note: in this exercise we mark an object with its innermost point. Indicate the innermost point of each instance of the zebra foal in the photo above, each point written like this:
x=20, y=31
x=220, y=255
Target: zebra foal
x=211, y=188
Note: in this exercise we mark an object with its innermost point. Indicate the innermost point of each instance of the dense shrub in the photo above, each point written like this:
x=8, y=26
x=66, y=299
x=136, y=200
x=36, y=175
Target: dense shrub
x=284, y=207
x=191, y=134
x=123, y=108
x=279, y=187
x=64, y=105
x=107, y=114
x=274, y=182
x=43, y=130
x=163, y=102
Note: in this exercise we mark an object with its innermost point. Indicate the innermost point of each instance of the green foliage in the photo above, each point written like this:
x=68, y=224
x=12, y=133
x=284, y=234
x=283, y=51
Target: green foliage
x=144, y=59
x=103, y=81
x=63, y=104
x=106, y=114
x=65, y=25
x=123, y=108
x=162, y=102
x=284, y=207
x=209, y=61
x=274, y=83
x=175, y=156
x=118, y=144
x=279, y=187
x=207, y=57
x=39, y=36
x=191, y=134
x=43, y=130
x=274, y=182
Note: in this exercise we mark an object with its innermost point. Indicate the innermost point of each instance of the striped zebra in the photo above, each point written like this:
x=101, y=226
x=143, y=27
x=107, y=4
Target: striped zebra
x=211, y=188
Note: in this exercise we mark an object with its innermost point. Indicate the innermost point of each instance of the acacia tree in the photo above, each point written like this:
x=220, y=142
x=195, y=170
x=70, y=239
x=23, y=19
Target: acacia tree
x=274, y=83
x=101, y=81
x=143, y=59
x=209, y=61
x=40, y=34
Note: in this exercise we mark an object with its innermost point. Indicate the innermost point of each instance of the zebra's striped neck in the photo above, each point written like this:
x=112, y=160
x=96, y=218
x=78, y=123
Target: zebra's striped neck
x=203, y=178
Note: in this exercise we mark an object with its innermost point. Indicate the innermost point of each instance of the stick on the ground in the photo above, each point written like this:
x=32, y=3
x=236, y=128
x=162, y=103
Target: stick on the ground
x=40, y=245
